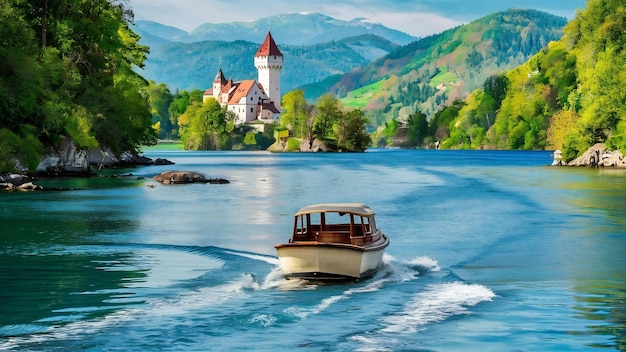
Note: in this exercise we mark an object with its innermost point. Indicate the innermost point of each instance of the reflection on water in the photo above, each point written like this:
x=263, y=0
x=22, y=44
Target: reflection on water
x=526, y=256
x=600, y=277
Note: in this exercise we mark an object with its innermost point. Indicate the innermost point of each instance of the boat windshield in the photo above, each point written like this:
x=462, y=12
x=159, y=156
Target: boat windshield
x=308, y=226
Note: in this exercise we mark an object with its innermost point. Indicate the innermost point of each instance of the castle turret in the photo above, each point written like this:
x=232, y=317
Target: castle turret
x=269, y=61
x=218, y=82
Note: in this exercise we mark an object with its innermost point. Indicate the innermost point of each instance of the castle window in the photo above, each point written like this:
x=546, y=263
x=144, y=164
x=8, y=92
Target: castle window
x=251, y=109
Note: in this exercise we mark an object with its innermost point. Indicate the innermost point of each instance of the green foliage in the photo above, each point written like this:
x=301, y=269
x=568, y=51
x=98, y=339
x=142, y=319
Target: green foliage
x=417, y=126
x=351, y=132
x=496, y=87
x=427, y=75
x=327, y=114
x=160, y=101
x=439, y=126
x=295, y=113
x=326, y=121
x=178, y=105
x=293, y=144
x=250, y=138
x=10, y=144
x=68, y=71
x=206, y=126
x=13, y=148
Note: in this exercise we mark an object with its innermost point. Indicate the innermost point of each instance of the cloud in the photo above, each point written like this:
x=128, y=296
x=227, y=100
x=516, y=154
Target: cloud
x=416, y=17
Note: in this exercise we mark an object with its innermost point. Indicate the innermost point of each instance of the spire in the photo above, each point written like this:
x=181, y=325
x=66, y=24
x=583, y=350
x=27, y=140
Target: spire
x=219, y=77
x=269, y=47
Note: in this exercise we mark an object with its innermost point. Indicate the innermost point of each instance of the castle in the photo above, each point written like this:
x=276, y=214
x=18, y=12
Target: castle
x=252, y=100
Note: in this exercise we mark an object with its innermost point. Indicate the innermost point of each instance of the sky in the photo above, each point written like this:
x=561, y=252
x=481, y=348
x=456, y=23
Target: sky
x=415, y=17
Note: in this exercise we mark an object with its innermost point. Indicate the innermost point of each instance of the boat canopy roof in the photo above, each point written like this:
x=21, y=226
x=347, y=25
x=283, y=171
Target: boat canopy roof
x=353, y=208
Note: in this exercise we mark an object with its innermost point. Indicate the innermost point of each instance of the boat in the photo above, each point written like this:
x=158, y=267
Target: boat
x=333, y=241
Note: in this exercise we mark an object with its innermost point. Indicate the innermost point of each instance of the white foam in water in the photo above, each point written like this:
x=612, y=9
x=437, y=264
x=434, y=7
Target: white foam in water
x=267, y=259
x=408, y=270
x=436, y=304
x=188, y=301
x=265, y=320
x=392, y=271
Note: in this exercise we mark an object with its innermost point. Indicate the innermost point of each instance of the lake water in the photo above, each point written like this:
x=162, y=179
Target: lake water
x=490, y=251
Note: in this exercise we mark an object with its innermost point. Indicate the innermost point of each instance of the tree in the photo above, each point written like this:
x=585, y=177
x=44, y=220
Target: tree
x=497, y=86
x=417, y=129
x=295, y=113
x=180, y=102
x=328, y=113
x=160, y=101
x=206, y=126
x=77, y=78
x=351, y=132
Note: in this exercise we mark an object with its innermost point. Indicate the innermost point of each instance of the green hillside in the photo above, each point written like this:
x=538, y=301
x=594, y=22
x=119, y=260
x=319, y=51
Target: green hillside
x=569, y=96
x=432, y=72
x=193, y=65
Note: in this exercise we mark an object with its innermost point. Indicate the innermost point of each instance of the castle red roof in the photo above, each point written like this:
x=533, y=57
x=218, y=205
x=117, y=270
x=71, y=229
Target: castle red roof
x=269, y=47
x=219, y=77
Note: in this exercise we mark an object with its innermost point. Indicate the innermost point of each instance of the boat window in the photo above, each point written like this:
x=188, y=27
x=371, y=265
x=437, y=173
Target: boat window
x=336, y=218
x=300, y=228
x=365, y=225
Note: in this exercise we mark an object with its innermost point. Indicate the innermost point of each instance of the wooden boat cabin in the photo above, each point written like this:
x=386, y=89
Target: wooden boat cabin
x=342, y=223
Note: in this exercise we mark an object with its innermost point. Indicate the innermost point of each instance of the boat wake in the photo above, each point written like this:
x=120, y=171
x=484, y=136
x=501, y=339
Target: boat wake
x=392, y=271
x=218, y=279
x=436, y=304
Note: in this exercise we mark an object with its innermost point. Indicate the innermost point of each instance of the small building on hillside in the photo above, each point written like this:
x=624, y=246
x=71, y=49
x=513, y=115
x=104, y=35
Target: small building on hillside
x=252, y=100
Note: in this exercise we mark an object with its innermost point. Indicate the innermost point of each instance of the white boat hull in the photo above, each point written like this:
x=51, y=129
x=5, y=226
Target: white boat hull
x=329, y=261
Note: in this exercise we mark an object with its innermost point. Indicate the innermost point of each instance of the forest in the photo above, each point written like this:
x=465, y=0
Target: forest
x=206, y=126
x=67, y=72
x=568, y=96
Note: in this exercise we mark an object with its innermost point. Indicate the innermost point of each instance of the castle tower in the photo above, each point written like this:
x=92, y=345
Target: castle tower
x=268, y=61
x=218, y=82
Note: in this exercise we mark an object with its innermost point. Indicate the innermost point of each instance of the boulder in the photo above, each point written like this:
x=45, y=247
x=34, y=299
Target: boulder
x=18, y=182
x=28, y=186
x=181, y=177
x=599, y=156
x=67, y=159
x=314, y=146
x=102, y=158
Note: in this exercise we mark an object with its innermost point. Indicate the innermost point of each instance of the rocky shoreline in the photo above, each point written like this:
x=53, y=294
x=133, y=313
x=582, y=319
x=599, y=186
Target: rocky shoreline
x=596, y=156
x=17, y=182
x=70, y=161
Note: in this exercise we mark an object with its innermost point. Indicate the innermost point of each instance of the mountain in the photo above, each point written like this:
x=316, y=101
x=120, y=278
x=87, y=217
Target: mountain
x=289, y=29
x=569, y=96
x=162, y=31
x=315, y=46
x=194, y=65
x=436, y=70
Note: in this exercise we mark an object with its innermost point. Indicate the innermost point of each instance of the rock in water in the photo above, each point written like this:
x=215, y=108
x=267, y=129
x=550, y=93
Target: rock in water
x=180, y=177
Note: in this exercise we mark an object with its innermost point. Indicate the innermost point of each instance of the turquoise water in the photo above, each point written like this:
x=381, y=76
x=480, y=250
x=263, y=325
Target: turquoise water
x=490, y=251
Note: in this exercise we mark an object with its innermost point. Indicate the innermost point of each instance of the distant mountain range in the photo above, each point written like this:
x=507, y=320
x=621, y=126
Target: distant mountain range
x=368, y=71
x=315, y=46
x=436, y=70
x=287, y=29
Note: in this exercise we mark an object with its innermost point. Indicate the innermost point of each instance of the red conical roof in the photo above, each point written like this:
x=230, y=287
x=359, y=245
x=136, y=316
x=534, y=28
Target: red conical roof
x=219, y=77
x=268, y=48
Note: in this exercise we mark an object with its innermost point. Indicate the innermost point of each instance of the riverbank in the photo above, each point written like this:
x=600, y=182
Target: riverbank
x=596, y=156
